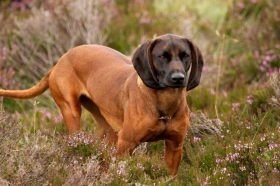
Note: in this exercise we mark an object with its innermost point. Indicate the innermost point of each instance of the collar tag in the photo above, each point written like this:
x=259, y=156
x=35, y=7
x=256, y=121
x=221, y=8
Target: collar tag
x=165, y=117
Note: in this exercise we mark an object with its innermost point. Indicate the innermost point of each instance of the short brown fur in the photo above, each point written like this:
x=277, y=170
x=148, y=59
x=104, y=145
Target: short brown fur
x=127, y=109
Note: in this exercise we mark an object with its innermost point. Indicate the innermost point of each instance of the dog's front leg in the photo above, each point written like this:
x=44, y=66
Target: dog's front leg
x=125, y=144
x=172, y=155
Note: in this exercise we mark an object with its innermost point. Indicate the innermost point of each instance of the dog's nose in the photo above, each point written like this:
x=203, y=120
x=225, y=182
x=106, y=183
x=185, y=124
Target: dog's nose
x=177, y=77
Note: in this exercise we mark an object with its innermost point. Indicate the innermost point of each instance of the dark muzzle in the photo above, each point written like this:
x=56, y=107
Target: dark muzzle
x=177, y=77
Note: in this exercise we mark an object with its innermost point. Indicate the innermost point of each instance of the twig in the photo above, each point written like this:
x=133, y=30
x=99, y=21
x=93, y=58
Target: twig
x=219, y=73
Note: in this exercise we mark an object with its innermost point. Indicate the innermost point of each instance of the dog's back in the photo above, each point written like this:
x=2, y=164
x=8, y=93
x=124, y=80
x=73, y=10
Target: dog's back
x=96, y=63
x=93, y=68
x=94, y=72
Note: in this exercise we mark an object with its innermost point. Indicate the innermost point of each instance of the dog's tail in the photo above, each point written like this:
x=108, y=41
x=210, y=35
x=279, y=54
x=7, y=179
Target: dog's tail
x=34, y=91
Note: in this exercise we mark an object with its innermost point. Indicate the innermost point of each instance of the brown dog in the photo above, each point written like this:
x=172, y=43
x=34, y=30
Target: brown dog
x=130, y=105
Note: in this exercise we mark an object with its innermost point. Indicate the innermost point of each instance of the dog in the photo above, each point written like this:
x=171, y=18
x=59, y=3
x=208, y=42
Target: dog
x=136, y=100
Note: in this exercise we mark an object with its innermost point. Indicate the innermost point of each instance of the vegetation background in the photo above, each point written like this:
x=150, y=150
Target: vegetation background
x=235, y=111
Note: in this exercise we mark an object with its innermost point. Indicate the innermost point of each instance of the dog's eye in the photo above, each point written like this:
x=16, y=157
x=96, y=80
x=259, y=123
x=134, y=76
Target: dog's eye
x=162, y=57
x=186, y=57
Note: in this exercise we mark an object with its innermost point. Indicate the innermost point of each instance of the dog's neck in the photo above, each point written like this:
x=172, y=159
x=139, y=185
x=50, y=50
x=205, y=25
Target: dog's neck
x=167, y=99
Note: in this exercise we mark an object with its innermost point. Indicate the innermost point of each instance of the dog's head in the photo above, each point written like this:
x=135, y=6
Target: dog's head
x=166, y=61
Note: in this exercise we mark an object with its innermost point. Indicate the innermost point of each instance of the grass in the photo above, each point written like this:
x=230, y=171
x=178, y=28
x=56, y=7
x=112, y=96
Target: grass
x=235, y=117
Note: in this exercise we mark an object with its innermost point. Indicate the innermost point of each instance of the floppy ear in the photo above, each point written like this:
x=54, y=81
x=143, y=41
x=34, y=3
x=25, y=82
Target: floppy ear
x=143, y=63
x=197, y=64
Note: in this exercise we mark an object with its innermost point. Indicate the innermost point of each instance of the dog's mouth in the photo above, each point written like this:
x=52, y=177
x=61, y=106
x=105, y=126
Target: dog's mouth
x=172, y=80
x=162, y=85
x=169, y=83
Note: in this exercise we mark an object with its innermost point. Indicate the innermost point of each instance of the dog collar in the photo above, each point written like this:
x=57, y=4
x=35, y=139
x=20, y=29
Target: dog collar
x=165, y=117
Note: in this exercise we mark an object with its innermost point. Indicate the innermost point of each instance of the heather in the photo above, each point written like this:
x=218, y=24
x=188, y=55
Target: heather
x=234, y=137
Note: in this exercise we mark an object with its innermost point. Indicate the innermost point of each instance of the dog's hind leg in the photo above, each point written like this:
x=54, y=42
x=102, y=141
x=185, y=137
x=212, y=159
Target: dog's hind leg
x=70, y=108
x=72, y=115
x=104, y=129
x=65, y=89
x=71, y=111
